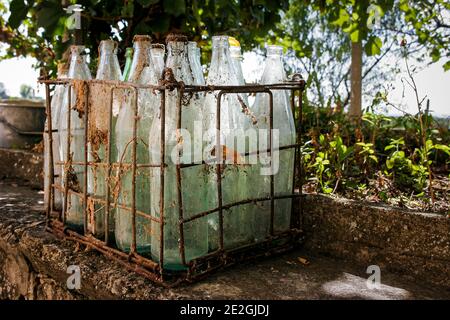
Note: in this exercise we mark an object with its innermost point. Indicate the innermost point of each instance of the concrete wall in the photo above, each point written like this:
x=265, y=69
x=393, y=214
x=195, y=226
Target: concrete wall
x=23, y=165
x=406, y=242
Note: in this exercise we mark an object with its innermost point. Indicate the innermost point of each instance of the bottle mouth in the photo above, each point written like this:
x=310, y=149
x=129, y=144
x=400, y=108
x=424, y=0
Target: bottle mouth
x=129, y=52
x=220, y=41
x=77, y=49
x=159, y=46
x=176, y=38
x=142, y=37
x=108, y=46
x=274, y=50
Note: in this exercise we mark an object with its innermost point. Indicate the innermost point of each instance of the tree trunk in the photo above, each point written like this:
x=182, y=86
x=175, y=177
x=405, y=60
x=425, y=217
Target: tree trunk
x=356, y=81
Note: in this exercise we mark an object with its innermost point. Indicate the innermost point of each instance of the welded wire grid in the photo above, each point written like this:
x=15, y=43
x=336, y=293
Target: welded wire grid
x=199, y=267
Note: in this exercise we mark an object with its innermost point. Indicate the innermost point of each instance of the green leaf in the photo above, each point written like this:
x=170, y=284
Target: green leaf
x=374, y=158
x=447, y=66
x=19, y=12
x=175, y=7
x=390, y=163
x=443, y=148
x=343, y=18
x=354, y=36
x=327, y=190
x=373, y=46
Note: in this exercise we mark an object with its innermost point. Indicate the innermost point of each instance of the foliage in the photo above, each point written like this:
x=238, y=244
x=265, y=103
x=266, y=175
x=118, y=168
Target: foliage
x=336, y=160
x=26, y=92
x=39, y=27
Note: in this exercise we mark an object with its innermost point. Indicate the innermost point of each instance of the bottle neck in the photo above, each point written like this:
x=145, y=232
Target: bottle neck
x=78, y=68
x=141, y=59
x=274, y=68
x=177, y=60
x=221, y=71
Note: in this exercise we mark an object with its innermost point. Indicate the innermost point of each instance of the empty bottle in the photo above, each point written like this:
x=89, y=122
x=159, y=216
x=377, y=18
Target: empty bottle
x=194, y=62
x=236, y=221
x=75, y=172
x=236, y=57
x=179, y=148
x=142, y=72
x=283, y=135
x=56, y=104
x=108, y=69
x=158, y=52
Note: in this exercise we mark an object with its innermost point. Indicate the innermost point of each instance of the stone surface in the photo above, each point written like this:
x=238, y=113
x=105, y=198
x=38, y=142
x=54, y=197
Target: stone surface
x=407, y=242
x=33, y=265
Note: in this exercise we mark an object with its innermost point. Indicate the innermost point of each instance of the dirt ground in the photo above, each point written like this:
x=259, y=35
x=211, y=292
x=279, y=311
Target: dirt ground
x=296, y=275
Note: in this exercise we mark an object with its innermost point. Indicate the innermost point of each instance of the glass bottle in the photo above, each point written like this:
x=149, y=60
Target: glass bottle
x=284, y=134
x=128, y=60
x=237, y=220
x=108, y=69
x=158, y=52
x=236, y=57
x=56, y=104
x=78, y=70
x=194, y=62
x=179, y=149
x=142, y=72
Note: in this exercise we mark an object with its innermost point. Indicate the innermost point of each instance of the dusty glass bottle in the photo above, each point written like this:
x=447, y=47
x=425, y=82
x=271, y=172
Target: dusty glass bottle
x=236, y=57
x=78, y=70
x=56, y=104
x=237, y=221
x=194, y=62
x=179, y=148
x=128, y=61
x=108, y=69
x=158, y=52
x=284, y=134
x=142, y=72
x=245, y=119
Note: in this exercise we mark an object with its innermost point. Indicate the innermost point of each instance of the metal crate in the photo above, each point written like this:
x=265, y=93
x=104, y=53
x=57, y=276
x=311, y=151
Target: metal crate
x=197, y=268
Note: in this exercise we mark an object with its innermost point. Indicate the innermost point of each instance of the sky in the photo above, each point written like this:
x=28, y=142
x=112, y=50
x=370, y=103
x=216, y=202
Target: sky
x=431, y=81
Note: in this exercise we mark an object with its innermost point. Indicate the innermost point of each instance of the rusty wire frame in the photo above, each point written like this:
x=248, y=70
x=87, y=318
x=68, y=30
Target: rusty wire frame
x=199, y=267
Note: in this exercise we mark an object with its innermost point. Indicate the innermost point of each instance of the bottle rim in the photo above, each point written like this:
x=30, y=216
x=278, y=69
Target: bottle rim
x=220, y=41
x=158, y=46
x=142, y=37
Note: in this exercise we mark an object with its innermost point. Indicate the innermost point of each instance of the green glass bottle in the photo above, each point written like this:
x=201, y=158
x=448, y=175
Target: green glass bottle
x=283, y=135
x=108, y=69
x=74, y=209
x=141, y=72
x=128, y=60
x=237, y=221
x=193, y=182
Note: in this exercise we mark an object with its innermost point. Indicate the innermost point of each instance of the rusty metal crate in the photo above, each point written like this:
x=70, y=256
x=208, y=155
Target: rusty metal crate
x=196, y=269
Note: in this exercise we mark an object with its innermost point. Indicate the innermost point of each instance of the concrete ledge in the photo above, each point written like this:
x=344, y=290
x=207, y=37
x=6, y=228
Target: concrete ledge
x=407, y=242
x=33, y=263
x=23, y=165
